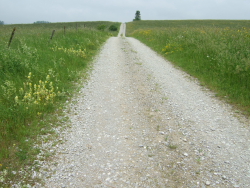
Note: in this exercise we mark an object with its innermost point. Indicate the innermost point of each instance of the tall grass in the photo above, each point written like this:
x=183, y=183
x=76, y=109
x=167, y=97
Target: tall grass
x=36, y=77
x=216, y=52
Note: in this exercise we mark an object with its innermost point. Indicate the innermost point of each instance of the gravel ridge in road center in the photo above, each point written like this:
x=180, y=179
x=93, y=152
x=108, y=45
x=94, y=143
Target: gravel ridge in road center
x=139, y=122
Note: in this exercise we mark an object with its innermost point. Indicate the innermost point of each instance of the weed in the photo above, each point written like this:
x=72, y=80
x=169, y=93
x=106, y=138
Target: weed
x=198, y=160
x=197, y=172
x=138, y=63
x=172, y=146
x=158, y=128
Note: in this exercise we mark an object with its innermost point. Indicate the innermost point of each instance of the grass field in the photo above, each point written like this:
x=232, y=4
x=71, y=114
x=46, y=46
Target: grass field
x=215, y=51
x=37, y=76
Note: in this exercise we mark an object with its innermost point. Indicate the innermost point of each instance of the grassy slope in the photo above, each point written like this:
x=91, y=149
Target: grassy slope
x=37, y=76
x=214, y=51
x=150, y=24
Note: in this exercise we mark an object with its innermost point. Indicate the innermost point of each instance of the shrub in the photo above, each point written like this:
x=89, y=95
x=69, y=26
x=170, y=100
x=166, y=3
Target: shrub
x=113, y=28
x=101, y=27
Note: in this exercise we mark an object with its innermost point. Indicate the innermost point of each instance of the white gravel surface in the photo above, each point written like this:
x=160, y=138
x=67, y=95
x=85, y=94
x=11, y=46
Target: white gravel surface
x=140, y=122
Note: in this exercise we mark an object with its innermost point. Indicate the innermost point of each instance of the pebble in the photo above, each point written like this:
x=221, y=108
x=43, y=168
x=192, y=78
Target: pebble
x=224, y=177
x=208, y=183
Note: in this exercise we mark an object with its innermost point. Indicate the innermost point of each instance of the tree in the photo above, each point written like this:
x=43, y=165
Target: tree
x=41, y=22
x=1, y=22
x=137, y=16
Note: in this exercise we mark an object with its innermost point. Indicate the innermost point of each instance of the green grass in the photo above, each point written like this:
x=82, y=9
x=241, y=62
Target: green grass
x=173, y=147
x=37, y=76
x=214, y=51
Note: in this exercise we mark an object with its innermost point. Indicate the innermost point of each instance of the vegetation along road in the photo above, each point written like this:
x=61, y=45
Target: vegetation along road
x=141, y=122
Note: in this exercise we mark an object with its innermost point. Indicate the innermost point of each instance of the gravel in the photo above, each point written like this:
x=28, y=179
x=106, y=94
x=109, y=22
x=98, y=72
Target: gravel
x=141, y=122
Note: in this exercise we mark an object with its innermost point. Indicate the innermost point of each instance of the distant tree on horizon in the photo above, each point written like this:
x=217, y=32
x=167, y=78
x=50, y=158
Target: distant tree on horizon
x=1, y=22
x=137, y=16
x=40, y=22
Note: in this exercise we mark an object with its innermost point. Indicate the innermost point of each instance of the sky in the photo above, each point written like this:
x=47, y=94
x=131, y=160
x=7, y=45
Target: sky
x=29, y=11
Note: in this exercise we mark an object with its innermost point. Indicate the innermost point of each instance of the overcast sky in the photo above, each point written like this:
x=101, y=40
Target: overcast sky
x=29, y=11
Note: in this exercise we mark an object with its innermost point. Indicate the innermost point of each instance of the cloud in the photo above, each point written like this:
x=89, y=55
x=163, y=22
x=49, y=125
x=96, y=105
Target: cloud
x=29, y=11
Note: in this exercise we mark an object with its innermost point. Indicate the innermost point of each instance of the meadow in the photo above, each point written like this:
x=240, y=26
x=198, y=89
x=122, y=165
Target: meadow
x=214, y=51
x=37, y=76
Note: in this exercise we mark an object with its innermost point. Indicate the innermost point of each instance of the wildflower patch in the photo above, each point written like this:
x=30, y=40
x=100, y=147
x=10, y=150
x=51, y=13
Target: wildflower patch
x=41, y=93
x=171, y=48
x=72, y=51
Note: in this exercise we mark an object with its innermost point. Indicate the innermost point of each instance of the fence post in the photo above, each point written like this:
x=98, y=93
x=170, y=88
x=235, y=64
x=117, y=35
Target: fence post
x=11, y=37
x=53, y=32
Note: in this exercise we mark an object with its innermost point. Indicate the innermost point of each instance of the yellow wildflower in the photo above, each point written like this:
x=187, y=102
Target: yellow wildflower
x=16, y=99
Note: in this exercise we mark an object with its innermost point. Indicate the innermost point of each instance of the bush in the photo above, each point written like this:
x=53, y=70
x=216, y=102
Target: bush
x=113, y=28
x=101, y=27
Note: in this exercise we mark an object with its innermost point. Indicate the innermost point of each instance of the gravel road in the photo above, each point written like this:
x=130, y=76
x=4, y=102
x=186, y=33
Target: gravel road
x=140, y=122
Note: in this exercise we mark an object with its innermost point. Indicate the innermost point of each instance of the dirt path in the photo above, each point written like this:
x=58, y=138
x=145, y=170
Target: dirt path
x=139, y=122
